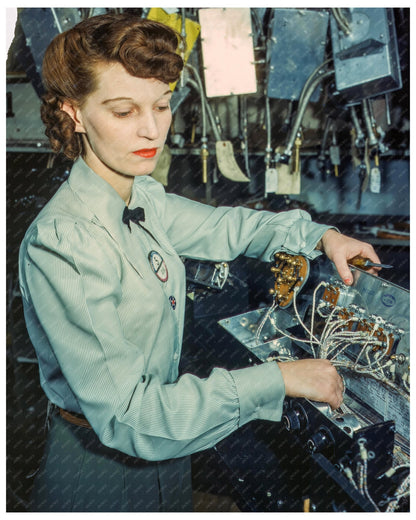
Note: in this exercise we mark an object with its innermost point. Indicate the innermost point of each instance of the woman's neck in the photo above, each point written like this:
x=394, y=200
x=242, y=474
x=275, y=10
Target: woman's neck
x=122, y=184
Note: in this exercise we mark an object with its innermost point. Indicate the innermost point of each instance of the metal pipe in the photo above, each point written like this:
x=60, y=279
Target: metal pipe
x=198, y=86
x=300, y=113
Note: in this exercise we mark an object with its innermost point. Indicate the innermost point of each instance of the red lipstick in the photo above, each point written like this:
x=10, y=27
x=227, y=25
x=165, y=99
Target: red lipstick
x=147, y=153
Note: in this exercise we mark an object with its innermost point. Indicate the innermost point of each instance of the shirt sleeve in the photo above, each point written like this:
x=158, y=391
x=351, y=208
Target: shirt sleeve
x=208, y=233
x=70, y=282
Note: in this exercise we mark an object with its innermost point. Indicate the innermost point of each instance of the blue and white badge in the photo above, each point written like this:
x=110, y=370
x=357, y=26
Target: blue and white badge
x=158, y=266
x=172, y=301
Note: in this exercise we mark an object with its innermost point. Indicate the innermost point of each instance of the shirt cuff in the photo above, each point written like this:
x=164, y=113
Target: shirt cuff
x=261, y=392
x=303, y=238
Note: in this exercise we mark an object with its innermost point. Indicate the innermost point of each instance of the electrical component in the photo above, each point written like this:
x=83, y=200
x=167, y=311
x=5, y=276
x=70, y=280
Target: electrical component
x=207, y=274
x=290, y=273
x=363, y=330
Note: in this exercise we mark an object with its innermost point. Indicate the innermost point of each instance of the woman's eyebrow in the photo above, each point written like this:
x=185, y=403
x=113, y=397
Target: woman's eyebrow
x=164, y=94
x=131, y=99
x=116, y=99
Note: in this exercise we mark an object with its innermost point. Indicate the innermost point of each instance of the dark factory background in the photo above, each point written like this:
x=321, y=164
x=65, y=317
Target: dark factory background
x=318, y=120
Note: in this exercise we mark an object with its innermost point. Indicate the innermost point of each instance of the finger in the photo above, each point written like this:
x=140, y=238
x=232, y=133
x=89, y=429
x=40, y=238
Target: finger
x=337, y=399
x=343, y=270
x=338, y=402
x=341, y=390
x=338, y=390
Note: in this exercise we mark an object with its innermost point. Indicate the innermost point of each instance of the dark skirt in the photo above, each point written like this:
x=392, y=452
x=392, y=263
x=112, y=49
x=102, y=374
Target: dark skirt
x=79, y=474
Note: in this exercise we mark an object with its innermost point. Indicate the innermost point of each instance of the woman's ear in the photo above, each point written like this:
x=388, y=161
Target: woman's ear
x=74, y=113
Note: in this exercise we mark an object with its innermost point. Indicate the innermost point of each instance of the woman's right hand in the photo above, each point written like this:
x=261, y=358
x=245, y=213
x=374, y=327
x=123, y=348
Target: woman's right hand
x=314, y=379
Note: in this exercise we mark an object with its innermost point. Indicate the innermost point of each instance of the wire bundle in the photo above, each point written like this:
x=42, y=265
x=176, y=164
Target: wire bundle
x=343, y=334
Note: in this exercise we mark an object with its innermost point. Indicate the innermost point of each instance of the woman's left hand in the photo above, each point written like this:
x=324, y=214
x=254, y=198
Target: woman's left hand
x=340, y=248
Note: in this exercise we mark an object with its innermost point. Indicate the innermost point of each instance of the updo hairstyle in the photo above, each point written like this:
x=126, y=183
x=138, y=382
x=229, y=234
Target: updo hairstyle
x=147, y=49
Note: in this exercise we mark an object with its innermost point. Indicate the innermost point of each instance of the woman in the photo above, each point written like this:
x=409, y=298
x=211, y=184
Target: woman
x=104, y=292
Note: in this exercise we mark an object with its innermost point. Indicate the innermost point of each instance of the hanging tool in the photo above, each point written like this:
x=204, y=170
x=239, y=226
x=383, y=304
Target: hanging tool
x=226, y=162
x=204, y=158
x=334, y=153
x=224, y=149
x=298, y=144
x=363, y=174
x=359, y=134
x=271, y=183
x=355, y=158
x=375, y=175
x=361, y=178
x=388, y=114
x=366, y=263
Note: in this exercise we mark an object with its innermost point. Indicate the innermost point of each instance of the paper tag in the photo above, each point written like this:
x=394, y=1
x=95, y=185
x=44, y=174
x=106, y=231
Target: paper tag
x=375, y=180
x=271, y=180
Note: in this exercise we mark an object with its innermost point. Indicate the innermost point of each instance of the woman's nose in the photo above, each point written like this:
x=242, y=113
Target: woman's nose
x=148, y=126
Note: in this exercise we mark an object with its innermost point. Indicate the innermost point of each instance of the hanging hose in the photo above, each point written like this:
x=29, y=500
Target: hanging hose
x=244, y=123
x=341, y=20
x=303, y=102
x=204, y=140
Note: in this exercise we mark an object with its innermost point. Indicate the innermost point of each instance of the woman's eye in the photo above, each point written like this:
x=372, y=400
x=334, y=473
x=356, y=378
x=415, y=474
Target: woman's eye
x=162, y=108
x=123, y=114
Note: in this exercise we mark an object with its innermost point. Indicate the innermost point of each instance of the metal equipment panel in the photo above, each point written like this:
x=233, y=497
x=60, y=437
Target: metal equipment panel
x=228, y=54
x=297, y=48
x=366, y=59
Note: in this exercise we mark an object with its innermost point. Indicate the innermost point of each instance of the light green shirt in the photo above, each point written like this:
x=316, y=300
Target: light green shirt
x=102, y=321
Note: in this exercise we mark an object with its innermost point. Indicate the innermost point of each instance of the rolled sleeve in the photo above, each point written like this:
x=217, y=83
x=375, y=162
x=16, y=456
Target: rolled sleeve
x=261, y=392
x=303, y=236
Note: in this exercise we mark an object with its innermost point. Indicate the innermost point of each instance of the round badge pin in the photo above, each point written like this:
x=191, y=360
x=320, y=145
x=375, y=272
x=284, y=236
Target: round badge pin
x=172, y=300
x=158, y=266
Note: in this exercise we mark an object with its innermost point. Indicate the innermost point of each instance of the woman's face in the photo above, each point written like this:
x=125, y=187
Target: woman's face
x=124, y=123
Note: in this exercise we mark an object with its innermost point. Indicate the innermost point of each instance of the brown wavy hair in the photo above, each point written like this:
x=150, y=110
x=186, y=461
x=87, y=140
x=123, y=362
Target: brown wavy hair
x=147, y=49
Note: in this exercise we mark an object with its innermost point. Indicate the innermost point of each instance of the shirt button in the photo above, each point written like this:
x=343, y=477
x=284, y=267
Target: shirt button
x=175, y=356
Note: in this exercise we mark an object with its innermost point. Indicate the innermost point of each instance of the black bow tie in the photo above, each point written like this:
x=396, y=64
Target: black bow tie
x=136, y=215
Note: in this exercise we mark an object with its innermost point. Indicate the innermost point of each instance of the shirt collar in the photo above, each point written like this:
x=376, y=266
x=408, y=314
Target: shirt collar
x=98, y=196
x=105, y=205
